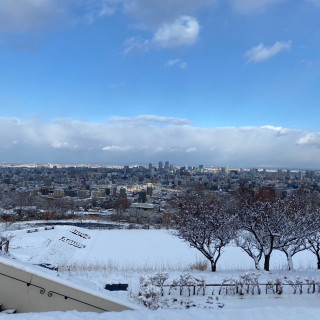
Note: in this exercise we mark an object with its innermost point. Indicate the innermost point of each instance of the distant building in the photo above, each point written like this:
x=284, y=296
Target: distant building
x=225, y=170
x=58, y=193
x=95, y=194
x=149, y=189
x=70, y=193
x=82, y=194
x=145, y=213
x=123, y=192
x=142, y=196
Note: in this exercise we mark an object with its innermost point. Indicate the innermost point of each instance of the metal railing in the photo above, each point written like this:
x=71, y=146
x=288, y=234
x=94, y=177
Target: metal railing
x=246, y=288
x=42, y=290
x=51, y=293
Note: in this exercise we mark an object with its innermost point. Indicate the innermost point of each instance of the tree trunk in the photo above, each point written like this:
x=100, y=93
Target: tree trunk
x=318, y=263
x=267, y=262
x=256, y=264
x=289, y=260
x=213, y=266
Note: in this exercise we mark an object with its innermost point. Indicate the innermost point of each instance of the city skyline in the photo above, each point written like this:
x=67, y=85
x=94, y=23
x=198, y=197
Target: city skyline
x=214, y=82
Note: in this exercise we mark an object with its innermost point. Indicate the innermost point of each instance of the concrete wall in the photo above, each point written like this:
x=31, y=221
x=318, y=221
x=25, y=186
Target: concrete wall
x=28, y=292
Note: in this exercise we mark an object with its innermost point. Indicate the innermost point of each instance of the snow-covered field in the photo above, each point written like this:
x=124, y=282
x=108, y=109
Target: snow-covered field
x=129, y=250
x=120, y=249
x=92, y=258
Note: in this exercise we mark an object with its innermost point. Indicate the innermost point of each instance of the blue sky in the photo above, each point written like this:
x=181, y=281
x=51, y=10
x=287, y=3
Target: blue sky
x=88, y=81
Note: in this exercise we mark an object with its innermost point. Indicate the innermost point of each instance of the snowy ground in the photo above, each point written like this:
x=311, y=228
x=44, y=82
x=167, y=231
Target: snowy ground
x=120, y=249
x=310, y=312
x=129, y=250
x=92, y=258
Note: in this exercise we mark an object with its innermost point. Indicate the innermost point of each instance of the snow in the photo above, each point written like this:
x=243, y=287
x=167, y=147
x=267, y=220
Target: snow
x=122, y=256
x=257, y=313
x=133, y=249
x=130, y=250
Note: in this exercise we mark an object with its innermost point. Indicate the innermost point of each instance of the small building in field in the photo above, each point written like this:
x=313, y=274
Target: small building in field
x=145, y=213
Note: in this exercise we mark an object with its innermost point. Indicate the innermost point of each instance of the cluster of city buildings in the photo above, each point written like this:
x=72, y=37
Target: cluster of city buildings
x=147, y=189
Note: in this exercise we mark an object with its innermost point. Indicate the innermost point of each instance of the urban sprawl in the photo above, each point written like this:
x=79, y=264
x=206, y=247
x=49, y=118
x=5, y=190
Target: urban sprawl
x=132, y=194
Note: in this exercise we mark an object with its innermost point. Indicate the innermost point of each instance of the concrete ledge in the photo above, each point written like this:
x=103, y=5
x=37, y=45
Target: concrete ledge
x=28, y=290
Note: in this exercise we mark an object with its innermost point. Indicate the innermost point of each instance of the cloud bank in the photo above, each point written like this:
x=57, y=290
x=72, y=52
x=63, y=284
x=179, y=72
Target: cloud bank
x=147, y=139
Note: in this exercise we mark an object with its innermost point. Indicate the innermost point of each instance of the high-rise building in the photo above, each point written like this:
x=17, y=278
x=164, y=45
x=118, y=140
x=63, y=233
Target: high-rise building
x=142, y=196
x=123, y=192
x=225, y=170
x=160, y=166
x=166, y=165
x=149, y=189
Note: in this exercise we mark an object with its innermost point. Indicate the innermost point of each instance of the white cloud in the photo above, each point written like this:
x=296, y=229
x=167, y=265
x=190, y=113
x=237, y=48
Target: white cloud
x=176, y=62
x=134, y=44
x=272, y=128
x=152, y=14
x=127, y=142
x=117, y=148
x=183, y=31
x=170, y=23
x=261, y=53
x=96, y=9
x=250, y=6
x=310, y=139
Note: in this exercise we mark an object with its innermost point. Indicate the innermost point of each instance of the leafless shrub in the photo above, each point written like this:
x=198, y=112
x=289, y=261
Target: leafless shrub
x=296, y=285
x=199, y=265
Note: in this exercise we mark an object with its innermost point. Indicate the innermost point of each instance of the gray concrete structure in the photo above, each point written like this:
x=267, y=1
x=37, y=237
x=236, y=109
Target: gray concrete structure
x=24, y=289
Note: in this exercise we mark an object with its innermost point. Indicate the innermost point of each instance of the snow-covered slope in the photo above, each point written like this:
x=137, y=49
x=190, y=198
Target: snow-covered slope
x=128, y=250
x=65, y=245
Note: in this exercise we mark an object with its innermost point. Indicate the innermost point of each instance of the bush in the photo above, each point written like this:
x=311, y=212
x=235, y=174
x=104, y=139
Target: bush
x=199, y=265
x=148, y=293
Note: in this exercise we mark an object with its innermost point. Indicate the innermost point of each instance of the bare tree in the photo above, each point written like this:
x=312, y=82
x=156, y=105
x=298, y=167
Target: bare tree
x=313, y=238
x=313, y=245
x=300, y=222
x=205, y=222
x=259, y=215
x=121, y=205
x=270, y=223
x=247, y=242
